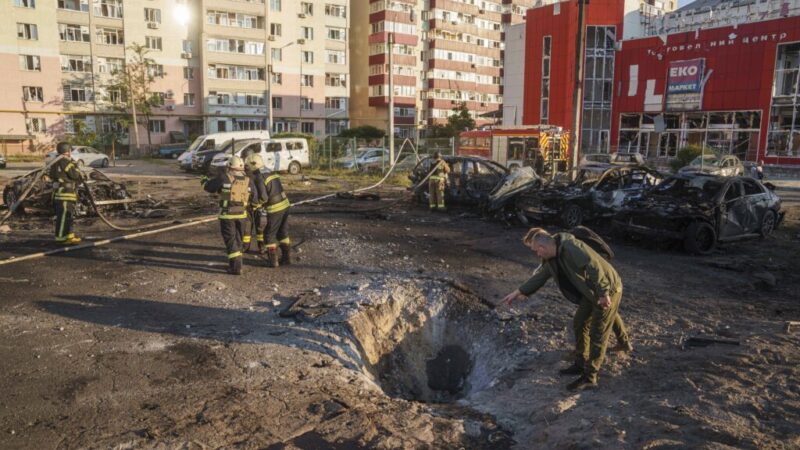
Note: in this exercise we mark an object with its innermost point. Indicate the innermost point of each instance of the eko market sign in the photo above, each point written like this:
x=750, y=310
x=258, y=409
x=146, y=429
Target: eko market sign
x=685, y=80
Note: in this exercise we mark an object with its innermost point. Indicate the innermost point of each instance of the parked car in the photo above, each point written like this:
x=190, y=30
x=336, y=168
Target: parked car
x=364, y=156
x=723, y=165
x=205, y=147
x=2, y=162
x=83, y=156
x=177, y=145
x=597, y=191
x=208, y=161
x=702, y=210
x=279, y=155
x=405, y=164
x=471, y=179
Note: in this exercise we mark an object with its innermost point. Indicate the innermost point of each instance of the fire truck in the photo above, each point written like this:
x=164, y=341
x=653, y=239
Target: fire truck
x=543, y=147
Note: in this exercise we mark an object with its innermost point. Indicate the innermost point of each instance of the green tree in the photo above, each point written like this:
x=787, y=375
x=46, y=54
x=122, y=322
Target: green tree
x=133, y=90
x=363, y=132
x=686, y=155
x=459, y=121
x=83, y=135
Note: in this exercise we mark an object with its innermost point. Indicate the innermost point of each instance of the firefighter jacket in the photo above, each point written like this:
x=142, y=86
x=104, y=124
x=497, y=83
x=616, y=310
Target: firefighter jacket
x=578, y=270
x=440, y=168
x=235, y=189
x=258, y=198
x=66, y=176
x=271, y=193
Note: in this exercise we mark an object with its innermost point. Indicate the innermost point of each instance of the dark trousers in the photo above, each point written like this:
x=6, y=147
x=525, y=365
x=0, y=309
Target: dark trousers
x=232, y=231
x=257, y=221
x=277, y=229
x=65, y=211
x=247, y=227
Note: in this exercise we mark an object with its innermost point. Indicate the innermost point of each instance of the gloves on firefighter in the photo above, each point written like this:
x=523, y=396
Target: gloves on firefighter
x=203, y=180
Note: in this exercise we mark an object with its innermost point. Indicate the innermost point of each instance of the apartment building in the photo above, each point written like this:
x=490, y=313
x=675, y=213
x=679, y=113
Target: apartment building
x=222, y=65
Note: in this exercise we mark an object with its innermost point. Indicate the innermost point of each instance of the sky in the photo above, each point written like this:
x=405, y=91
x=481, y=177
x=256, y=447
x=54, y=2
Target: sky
x=682, y=3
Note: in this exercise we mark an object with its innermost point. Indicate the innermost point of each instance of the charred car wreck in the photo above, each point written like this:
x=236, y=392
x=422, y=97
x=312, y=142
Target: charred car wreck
x=470, y=182
x=105, y=192
x=702, y=210
x=597, y=191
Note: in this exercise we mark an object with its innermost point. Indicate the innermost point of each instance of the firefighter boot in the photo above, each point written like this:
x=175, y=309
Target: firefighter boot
x=235, y=266
x=272, y=257
x=286, y=254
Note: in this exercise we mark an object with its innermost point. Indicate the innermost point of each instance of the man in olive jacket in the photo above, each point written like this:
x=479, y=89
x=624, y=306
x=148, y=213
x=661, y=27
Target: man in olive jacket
x=600, y=288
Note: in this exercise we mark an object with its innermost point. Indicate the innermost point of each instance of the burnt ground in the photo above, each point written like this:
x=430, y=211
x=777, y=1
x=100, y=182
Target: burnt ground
x=149, y=344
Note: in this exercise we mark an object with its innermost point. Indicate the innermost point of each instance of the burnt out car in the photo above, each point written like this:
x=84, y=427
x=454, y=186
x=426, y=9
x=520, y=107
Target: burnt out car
x=593, y=191
x=702, y=210
x=471, y=179
x=105, y=191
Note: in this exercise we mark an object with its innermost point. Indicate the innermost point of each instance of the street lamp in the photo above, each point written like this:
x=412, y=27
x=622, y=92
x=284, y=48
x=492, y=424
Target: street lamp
x=269, y=80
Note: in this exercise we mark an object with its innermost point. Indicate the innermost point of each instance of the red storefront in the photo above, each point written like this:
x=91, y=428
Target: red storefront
x=719, y=88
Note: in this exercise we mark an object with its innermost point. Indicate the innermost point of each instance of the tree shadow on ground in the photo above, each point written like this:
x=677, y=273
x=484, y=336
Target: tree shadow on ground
x=199, y=322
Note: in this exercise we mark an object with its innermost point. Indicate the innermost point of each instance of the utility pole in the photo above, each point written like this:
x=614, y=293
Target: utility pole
x=391, y=97
x=577, y=96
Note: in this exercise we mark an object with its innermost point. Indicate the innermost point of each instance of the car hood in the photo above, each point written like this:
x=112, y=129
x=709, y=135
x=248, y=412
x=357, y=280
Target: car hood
x=516, y=182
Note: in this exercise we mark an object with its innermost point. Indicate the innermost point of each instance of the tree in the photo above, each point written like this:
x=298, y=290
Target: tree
x=459, y=121
x=686, y=155
x=363, y=132
x=132, y=87
x=83, y=135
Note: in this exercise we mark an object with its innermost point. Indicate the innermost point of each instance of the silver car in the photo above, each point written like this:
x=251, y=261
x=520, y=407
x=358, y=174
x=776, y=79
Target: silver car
x=83, y=156
x=722, y=165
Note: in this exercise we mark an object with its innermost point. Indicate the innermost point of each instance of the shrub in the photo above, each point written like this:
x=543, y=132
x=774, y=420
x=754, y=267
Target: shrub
x=686, y=155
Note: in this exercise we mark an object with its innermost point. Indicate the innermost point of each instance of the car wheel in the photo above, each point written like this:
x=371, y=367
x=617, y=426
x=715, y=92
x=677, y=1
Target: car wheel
x=571, y=216
x=700, y=238
x=767, y=224
x=9, y=197
x=175, y=156
x=294, y=168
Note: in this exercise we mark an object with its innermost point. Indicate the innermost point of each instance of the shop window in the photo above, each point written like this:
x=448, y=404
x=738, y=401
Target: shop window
x=719, y=118
x=748, y=119
x=696, y=120
x=629, y=120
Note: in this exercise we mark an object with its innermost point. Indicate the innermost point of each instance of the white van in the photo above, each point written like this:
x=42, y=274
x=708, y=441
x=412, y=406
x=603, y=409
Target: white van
x=215, y=141
x=280, y=155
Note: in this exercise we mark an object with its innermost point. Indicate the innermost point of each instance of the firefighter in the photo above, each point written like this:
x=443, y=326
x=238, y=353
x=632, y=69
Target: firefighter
x=437, y=182
x=66, y=176
x=276, y=232
x=253, y=165
x=235, y=190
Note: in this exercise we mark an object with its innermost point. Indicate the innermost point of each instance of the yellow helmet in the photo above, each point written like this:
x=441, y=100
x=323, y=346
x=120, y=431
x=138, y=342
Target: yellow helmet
x=254, y=162
x=236, y=163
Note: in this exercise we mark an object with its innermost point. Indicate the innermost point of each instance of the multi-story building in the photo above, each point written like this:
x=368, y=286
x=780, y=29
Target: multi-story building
x=217, y=64
x=445, y=53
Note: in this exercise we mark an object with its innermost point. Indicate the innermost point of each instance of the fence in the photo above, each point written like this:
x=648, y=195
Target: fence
x=373, y=154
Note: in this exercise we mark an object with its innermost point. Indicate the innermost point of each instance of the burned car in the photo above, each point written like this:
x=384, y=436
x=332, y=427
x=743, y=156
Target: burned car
x=500, y=201
x=702, y=210
x=105, y=191
x=723, y=165
x=471, y=179
x=594, y=190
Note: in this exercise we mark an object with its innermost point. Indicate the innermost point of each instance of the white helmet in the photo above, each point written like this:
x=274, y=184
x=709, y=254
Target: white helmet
x=254, y=162
x=236, y=163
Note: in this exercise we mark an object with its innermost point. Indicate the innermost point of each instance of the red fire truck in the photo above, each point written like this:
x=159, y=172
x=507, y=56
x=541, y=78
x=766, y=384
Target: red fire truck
x=543, y=147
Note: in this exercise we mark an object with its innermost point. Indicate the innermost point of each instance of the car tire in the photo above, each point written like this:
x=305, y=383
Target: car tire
x=571, y=216
x=699, y=238
x=175, y=155
x=294, y=168
x=767, y=224
x=9, y=197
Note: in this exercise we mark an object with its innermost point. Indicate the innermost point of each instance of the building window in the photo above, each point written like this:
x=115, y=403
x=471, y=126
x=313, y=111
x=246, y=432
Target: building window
x=336, y=79
x=74, y=63
x=275, y=29
x=784, y=117
x=30, y=62
x=307, y=127
x=152, y=15
x=277, y=102
x=336, y=57
x=108, y=8
x=114, y=96
x=226, y=72
x=222, y=126
x=277, y=54
x=597, y=89
x=110, y=65
x=35, y=125
x=25, y=3
x=306, y=104
x=27, y=31
x=275, y=5
x=32, y=94
x=336, y=103
x=308, y=57
x=335, y=127
x=277, y=78
x=152, y=42
x=188, y=73
x=307, y=80
x=188, y=99
x=73, y=33
x=248, y=124
x=307, y=33
x=336, y=34
x=110, y=36
x=307, y=8
x=77, y=93
x=157, y=126
x=544, y=112
x=336, y=10
x=231, y=19
x=155, y=70
x=74, y=5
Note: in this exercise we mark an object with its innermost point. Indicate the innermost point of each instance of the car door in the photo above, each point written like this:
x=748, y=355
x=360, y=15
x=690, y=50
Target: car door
x=734, y=212
x=271, y=155
x=757, y=204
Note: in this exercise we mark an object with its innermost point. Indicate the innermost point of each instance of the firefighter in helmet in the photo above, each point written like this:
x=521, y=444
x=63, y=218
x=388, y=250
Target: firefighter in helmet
x=254, y=166
x=276, y=205
x=437, y=182
x=66, y=176
x=235, y=189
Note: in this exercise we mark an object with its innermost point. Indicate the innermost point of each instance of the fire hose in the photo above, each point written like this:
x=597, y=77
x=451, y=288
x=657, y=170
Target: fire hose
x=192, y=222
